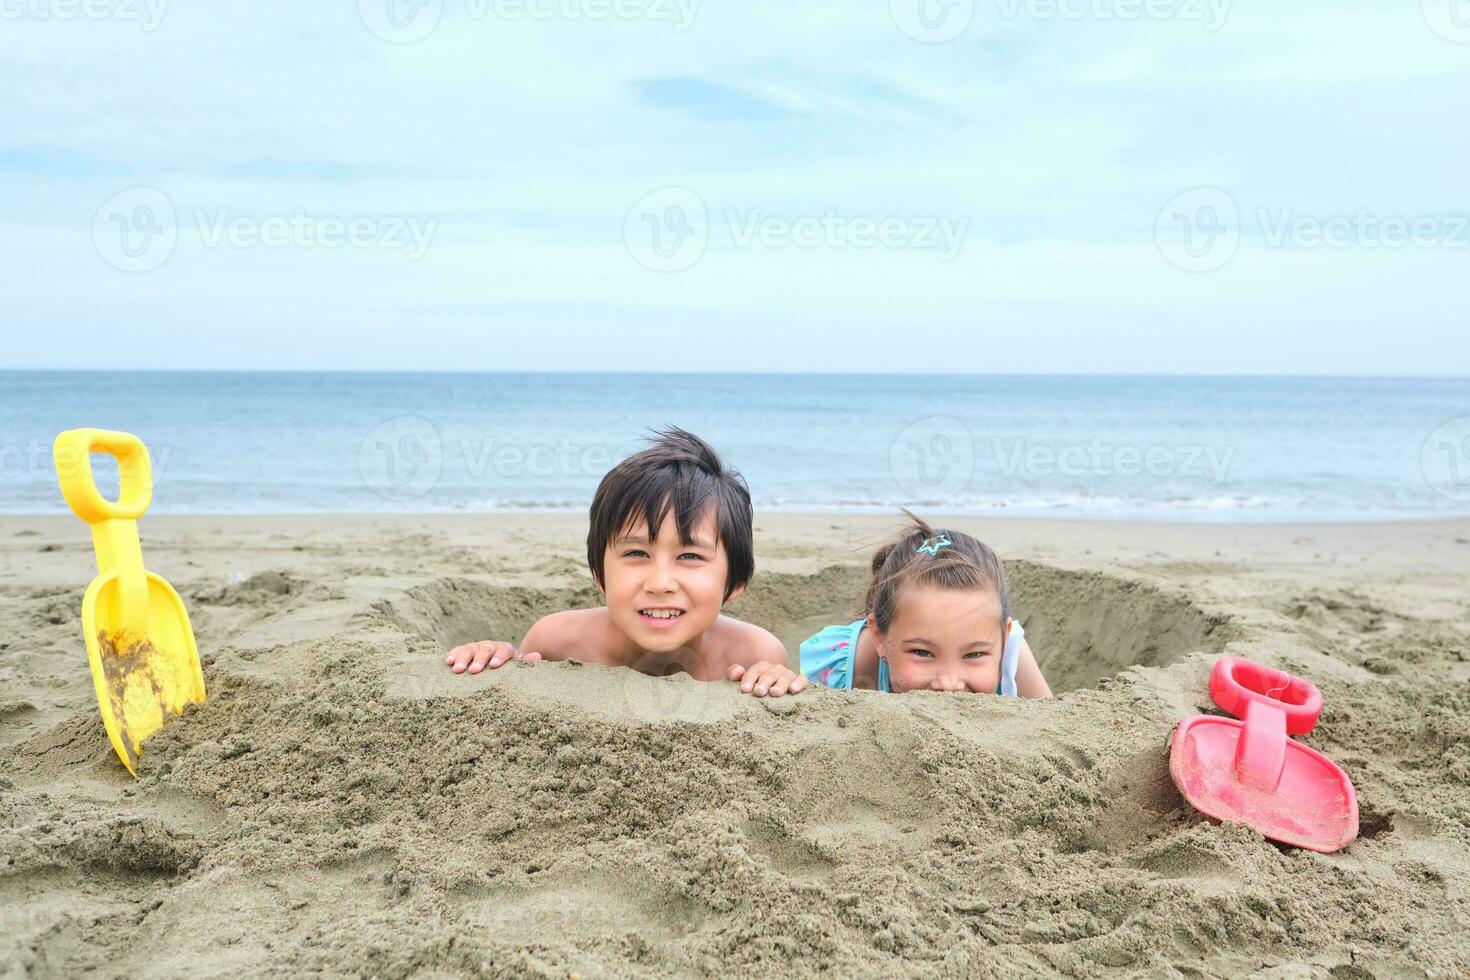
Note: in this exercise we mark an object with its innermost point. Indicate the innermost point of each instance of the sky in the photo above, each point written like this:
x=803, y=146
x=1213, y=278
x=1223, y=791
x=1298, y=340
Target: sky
x=1012, y=186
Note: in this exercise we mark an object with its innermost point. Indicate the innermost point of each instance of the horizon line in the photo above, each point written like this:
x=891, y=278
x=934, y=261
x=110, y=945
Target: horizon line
x=698, y=373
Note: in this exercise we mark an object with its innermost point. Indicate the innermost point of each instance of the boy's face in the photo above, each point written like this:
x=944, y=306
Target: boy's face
x=662, y=594
x=944, y=640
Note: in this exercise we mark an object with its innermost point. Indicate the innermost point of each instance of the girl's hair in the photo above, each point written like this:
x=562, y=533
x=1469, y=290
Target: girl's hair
x=928, y=556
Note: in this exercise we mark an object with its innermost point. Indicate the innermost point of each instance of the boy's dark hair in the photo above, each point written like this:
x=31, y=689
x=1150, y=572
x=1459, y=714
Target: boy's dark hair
x=951, y=560
x=683, y=473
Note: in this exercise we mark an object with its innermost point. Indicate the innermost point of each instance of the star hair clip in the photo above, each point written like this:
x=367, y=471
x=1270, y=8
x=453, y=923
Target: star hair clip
x=932, y=545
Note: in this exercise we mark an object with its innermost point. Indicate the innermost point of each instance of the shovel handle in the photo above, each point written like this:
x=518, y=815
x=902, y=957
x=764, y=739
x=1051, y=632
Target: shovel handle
x=1236, y=684
x=72, y=453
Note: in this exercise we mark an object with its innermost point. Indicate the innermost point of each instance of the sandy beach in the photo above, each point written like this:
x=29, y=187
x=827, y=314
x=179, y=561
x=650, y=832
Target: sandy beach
x=342, y=803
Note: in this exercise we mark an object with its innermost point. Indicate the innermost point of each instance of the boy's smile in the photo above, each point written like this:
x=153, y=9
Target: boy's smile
x=660, y=616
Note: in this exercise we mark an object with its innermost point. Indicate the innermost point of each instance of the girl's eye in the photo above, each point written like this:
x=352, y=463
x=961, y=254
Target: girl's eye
x=921, y=653
x=690, y=554
x=974, y=654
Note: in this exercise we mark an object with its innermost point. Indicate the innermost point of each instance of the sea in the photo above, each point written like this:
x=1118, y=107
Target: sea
x=1083, y=447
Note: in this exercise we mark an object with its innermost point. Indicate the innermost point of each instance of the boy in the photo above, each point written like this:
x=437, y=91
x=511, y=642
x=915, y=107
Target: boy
x=669, y=543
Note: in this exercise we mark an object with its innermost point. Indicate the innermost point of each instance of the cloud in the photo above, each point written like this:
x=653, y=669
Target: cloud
x=707, y=100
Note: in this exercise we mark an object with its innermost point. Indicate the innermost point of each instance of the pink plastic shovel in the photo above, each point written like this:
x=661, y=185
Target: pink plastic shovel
x=1251, y=772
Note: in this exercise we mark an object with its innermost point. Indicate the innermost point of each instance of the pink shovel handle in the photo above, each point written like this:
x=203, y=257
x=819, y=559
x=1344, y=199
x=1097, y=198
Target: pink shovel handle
x=1236, y=684
x=1273, y=705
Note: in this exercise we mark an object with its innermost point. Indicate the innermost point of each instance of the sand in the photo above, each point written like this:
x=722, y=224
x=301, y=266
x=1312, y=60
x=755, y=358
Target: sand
x=344, y=804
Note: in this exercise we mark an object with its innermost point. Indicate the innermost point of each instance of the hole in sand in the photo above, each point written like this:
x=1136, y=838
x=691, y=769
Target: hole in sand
x=1371, y=823
x=451, y=611
x=1084, y=626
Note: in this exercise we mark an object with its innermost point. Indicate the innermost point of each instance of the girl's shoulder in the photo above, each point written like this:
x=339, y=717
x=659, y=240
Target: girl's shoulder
x=836, y=636
x=827, y=656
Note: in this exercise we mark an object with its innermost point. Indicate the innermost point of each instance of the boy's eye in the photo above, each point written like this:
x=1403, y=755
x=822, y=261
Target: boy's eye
x=690, y=554
x=974, y=654
x=635, y=553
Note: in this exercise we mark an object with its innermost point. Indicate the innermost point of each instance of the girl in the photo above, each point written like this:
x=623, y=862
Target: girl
x=938, y=620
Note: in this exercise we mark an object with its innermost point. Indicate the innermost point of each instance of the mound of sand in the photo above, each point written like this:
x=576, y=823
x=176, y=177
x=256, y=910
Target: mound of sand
x=343, y=803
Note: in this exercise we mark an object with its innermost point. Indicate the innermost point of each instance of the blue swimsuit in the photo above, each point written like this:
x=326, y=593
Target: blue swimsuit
x=827, y=658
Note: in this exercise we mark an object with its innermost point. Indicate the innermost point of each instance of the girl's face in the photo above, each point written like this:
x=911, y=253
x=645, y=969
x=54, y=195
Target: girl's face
x=663, y=594
x=943, y=640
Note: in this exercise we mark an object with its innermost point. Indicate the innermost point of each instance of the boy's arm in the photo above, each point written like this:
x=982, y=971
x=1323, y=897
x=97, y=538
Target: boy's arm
x=471, y=658
x=1029, y=681
x=761, y=669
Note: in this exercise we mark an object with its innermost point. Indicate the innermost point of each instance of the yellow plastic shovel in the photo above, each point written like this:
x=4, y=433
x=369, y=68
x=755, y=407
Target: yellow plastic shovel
x=139, y=642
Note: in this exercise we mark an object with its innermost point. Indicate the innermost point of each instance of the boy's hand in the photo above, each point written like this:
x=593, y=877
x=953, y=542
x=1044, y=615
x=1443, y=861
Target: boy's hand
x=475, y=657
x=767, y=679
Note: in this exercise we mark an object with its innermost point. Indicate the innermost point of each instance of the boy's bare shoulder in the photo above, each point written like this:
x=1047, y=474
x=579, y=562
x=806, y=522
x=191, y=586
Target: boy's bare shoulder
x=747, y=644
x=579, y=633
